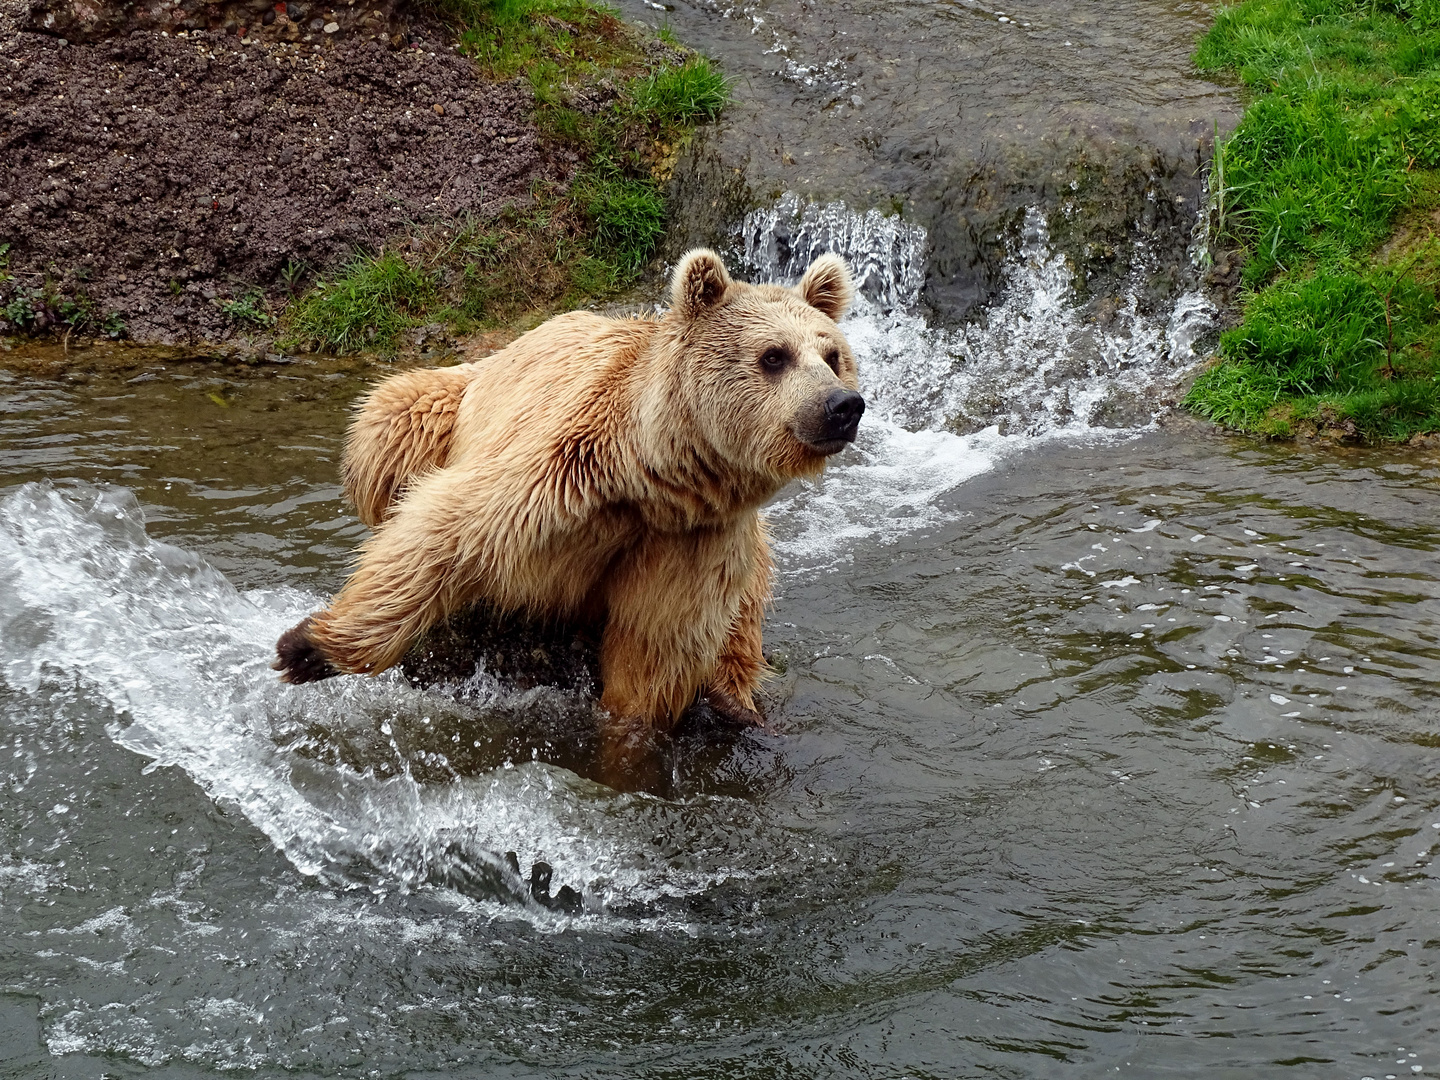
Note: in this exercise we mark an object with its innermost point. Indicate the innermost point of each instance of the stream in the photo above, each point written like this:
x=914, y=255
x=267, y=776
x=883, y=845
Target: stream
x=1101, y=745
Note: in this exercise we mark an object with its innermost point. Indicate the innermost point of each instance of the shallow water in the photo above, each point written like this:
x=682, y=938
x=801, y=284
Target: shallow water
x=1103, y=750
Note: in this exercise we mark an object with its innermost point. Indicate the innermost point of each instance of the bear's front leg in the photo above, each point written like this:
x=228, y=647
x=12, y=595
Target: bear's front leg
x=671, y=605
x=421, y=565
x=741, y=667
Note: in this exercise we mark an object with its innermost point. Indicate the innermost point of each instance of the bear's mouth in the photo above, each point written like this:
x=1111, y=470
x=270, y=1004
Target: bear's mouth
x=828, y=447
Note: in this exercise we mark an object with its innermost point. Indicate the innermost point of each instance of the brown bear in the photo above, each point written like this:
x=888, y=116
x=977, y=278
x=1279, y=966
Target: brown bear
x=602, y=470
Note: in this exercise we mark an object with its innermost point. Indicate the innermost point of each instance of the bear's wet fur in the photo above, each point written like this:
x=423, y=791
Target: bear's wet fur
x=605, y=473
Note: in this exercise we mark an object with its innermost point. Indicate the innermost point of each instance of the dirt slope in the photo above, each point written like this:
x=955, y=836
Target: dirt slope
x=154, y=176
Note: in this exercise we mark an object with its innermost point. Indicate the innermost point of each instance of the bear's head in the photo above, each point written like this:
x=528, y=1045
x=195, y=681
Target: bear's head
x=767, y=378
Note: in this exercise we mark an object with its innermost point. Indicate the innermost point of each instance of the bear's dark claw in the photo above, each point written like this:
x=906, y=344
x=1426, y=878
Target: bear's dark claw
x=299, y=660
x=567, y=901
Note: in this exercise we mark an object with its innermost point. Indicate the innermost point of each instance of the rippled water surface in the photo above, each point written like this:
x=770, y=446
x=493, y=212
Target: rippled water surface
x=1098, y=752
x=918, y=84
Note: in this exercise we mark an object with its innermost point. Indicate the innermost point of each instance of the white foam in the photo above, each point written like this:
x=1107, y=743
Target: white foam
x=890, y=483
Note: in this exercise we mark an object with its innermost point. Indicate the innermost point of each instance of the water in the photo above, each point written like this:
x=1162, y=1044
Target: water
x=1106, y=749
x=963, y=116
x=1102, y=744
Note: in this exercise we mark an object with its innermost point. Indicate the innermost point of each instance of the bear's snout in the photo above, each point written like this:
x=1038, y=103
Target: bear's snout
x=830, y=423
x=843, y=409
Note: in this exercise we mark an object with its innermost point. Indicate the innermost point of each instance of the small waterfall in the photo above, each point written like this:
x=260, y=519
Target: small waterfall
x=886, y=254
x=1034, y=364
x=946, y=403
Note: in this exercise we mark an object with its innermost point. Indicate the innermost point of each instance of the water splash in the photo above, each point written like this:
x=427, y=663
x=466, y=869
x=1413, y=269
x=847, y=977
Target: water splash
x=90, y=605
x=886, y=254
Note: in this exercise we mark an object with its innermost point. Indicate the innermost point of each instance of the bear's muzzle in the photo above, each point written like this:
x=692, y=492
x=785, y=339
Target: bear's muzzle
x=833, y=424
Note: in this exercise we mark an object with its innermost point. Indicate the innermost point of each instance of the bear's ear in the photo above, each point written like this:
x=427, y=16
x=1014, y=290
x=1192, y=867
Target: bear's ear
x=700, y=282
x=826, y=286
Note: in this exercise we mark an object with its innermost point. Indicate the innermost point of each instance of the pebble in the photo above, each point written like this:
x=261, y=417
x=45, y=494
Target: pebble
x=439, y=109
x=331, y=27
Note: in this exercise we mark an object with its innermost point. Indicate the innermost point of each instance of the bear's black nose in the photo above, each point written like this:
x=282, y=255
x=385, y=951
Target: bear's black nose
x=843, y=409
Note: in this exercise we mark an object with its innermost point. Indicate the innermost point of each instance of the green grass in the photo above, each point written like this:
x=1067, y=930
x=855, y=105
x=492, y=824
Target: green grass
x=627, y=215
x=691, y=92
x=1330, y=192
x=367, y=305
x=599, y=92
x=467, y=275
x=249, y=311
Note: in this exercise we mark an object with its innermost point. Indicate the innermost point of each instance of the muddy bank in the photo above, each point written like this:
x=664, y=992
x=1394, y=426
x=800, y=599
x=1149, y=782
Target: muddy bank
x=151, y=183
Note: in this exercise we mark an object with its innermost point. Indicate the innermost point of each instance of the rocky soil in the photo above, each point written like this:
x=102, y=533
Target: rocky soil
x=157, y=178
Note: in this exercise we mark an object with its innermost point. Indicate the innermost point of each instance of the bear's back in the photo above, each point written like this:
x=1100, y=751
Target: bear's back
x=566, y=373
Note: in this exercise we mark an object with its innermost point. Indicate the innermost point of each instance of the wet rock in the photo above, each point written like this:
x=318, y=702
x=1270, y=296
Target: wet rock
x=431, y=336
x=1122, y=409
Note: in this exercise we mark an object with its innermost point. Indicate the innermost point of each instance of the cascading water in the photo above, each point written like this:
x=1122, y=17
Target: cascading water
x=944, y=404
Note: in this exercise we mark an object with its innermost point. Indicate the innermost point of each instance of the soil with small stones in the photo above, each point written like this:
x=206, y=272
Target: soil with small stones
x=162, y=175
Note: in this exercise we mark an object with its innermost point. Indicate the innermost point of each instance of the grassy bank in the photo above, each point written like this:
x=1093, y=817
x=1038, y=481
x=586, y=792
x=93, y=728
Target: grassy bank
x=1329, y=193
x=622, y=105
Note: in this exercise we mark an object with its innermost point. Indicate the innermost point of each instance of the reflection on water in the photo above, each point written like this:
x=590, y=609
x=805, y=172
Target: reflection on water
x=1122, y=757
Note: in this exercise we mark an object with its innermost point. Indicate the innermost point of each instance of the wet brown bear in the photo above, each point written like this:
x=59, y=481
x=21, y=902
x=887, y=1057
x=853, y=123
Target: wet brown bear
x=600, y=469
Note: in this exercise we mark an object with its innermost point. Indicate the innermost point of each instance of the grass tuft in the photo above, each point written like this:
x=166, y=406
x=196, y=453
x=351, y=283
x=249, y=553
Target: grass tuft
x=40, y=307
x=628, y=216
x=366, y=305
x=693, y=92
x=1329, y=190
x=249, y=310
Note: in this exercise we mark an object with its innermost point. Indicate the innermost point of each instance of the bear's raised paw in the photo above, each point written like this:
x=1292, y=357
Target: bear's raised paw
x=299, y=659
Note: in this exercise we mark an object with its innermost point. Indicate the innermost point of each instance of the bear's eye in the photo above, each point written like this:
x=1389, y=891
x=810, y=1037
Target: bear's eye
x=774, y=359
x=832, y=358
